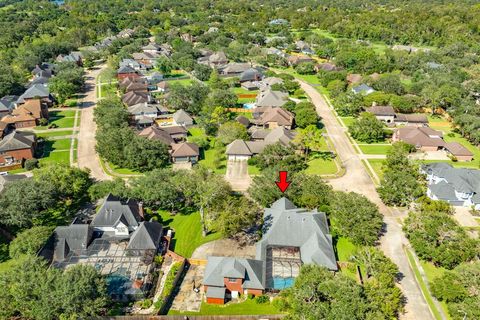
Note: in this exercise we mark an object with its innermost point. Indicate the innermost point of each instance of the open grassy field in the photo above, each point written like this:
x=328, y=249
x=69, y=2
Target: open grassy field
x=248, y=307
x=183, y=82
x=55, y=157
x=117, y=169
x=240, y=90
x=188, y=232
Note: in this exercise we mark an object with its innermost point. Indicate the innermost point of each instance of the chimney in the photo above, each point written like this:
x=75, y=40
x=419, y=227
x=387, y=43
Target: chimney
x=140, y=210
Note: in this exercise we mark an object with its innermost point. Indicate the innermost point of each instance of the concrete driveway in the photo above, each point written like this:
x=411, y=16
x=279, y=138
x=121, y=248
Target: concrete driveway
x=87, y=156
x=237, y=175
x=356, y=179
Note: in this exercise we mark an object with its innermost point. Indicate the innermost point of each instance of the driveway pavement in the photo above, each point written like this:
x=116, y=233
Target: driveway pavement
x=356, y=179
x=87, y=156
x=237, y=175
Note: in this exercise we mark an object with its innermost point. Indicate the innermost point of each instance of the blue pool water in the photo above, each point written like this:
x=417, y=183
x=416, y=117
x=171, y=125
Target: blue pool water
x=250, y=105
x=282, y=283
x=117, y=284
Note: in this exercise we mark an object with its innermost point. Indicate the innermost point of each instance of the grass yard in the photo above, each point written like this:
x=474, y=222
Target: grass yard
x=62, y=113
x=345, y=249
x=183, y=82
x=245, y=100
x=62, y=119
x=321, y=166
x=62, y=144
x=54, y=134
x=55, y=157
x=188, y=232
x=439, y=123
x=248, y=307
x=253, y=170
x=377, y=166
x=347, y=120
x=375, y=148
x=433, y=272
x=106, y=90
x=196, y=132
x=240, y=90
x=70, y=103
x=208, y=160
x=117, y=169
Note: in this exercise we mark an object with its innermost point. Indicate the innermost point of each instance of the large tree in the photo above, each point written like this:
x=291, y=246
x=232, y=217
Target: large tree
x=437, y=237
x=230, y=131
x=29, y=241
x=356, y=218
x=367, y=129
x=32, y=290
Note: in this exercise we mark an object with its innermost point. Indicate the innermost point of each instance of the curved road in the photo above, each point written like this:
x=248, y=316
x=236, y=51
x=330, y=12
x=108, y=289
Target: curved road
x=87, y=156
x=357, y=179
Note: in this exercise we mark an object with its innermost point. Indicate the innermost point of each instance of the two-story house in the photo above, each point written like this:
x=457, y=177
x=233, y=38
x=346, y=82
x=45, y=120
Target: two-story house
x=457, y=186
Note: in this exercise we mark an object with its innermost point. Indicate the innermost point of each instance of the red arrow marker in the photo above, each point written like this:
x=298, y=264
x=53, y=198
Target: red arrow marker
x=283, y=183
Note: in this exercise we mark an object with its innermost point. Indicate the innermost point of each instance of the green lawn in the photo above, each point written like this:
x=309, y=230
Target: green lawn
x=62, y=144
x=196, y=132
x=245, y=100
x=345, y=249
x=209, y=161
x=377, y=166
x=54, y=134
x=375, y=148
x=119, y=170
x=253, y=170
x=70, y=103
x=184, y=82
x=433, y=272
x=56, y=156
x=188, y=232
x=248, y=307
x=309, y=78
x=63, y=113
x=106, y=90
x=423, y=286
x=240, y=90
x=347, y=120
x=321, y=166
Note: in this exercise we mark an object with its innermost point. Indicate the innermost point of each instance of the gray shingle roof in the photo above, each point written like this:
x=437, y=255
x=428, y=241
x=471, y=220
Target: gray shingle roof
x=75, y=237
x=146, y=237
x=288, y=226
x=17, y=140
x=238, y=147
x=216, y=292
x=270, y=98
x=182, y=117
x=37, y=90
x=251, y=74
x=142, y=108
x=461, y=179
x=114, y=210
x=219, y=268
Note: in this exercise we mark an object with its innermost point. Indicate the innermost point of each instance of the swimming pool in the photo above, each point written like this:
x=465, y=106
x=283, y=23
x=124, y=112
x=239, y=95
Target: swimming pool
x=117, y=284
x=250, y=105
x=282, y=283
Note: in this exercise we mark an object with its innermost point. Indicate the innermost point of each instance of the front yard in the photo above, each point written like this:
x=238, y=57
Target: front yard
x=56, y=151
x=59, y=119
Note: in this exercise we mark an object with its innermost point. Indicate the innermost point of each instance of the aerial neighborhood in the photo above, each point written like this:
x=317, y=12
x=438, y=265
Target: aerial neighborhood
x=251, y=160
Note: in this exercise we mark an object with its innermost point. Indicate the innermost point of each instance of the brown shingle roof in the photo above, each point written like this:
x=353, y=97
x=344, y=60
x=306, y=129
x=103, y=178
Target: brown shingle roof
x=185, y=149
x=155, y=133
x=381, y=110
x=457, y=149
x=281, y=116
x=421, y=137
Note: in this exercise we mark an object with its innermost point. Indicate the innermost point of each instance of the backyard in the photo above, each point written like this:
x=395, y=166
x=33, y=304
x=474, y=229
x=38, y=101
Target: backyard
x=188, y=231
x=247, y=307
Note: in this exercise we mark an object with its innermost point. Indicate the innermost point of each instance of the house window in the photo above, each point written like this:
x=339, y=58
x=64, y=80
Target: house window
x=232, y=280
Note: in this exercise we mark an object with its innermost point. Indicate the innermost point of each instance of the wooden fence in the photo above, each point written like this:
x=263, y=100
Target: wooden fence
x=198, y=262
x=240, y=110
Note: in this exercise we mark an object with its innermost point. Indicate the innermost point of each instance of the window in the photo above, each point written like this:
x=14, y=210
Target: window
x=232, y=279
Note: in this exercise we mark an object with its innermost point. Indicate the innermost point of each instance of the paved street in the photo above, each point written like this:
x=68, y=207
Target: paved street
x=87, y=156
x=356, y=179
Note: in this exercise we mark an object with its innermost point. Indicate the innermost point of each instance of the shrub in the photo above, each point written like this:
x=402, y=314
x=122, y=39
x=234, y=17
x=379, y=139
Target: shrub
x=147, y=303
x=262, y=299
x=31, y=164
x=158, y=259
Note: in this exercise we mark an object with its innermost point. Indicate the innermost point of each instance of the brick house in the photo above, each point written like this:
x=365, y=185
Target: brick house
x=16, y=147
x=228, y=277
x=28, y=114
